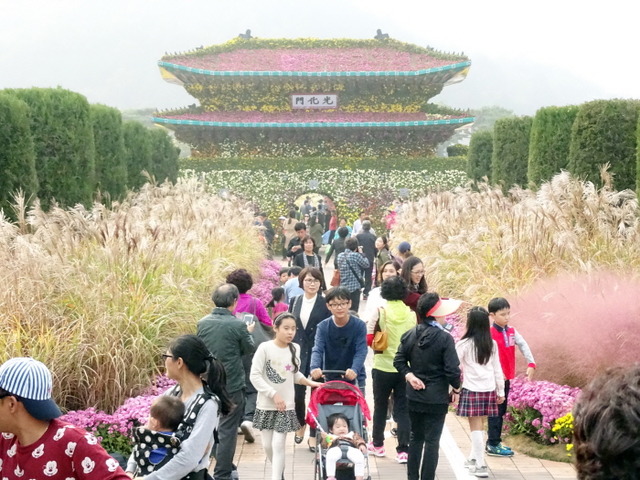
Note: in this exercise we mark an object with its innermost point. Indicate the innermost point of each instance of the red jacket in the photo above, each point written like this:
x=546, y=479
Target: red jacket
x=507, y=350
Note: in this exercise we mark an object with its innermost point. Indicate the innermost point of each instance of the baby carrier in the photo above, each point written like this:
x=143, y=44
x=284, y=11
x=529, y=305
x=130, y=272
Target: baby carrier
x=147, y=440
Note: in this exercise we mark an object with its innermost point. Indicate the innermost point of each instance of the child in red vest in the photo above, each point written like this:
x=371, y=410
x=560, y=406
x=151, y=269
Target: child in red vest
x=507, y=339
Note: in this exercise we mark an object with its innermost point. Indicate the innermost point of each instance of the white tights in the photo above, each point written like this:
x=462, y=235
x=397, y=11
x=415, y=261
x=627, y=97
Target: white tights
x=357, y=458
x=274, y=446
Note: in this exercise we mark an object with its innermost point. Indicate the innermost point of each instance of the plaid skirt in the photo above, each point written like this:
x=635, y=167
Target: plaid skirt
x=477, y=404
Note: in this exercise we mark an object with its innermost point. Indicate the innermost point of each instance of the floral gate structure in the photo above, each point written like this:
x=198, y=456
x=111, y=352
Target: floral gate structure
x=313, y=98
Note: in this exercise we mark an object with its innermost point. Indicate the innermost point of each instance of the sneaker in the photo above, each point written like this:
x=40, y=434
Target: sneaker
x=247, y=430
x=499, y=451
x=402, y=457
x=481, y=472
x=377, y=451
x=470, y=464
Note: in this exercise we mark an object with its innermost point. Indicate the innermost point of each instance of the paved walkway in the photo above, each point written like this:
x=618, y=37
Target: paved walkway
x=455, y=445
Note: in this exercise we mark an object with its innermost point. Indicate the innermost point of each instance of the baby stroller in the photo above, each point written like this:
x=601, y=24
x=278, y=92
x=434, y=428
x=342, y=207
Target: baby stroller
x=337, y=397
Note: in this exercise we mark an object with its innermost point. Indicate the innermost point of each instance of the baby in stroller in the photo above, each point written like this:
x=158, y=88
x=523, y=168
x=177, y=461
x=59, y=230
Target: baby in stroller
x=347, y=432
x=340, y=437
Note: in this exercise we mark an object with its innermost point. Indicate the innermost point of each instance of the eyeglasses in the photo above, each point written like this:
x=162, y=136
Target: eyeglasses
x=311, y=280
x=166, y=355
x=338, y=305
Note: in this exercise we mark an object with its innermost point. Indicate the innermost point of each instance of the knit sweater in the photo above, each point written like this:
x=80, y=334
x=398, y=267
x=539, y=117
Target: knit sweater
x=272, y=371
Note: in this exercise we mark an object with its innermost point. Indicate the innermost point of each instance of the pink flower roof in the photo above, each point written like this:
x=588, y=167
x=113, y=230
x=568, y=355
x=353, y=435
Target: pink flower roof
x=312, y=60
x=308, y=117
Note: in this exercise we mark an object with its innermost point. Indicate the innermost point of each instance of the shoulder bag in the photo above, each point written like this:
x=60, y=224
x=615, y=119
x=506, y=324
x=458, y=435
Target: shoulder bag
x=380, y=337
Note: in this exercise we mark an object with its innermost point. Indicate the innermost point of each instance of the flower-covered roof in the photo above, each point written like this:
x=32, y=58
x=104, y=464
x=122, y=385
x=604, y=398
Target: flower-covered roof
x=311, y=119
x=309, y=57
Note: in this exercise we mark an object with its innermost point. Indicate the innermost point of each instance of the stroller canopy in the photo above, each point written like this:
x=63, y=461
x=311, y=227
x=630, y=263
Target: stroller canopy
x=336, y=392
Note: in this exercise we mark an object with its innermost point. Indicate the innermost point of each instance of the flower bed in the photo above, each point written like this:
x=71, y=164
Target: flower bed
x=286, y=54
x=113, y=431
x=304, y=116
x=372, y=191
x=313, y=60
x=540, y=410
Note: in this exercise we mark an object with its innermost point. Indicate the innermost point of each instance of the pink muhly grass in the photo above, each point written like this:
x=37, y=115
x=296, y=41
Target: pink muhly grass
x=577, y=325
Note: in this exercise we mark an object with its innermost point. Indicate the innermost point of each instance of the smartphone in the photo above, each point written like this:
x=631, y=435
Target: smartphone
x=248, y=318
x=448, y=327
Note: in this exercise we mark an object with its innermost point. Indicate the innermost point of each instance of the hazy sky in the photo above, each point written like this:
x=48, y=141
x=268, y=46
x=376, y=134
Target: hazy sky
x=524, y=55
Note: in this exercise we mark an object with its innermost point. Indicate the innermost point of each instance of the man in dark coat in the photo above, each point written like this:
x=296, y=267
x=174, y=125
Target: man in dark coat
x=228, y=338
x=367, y=241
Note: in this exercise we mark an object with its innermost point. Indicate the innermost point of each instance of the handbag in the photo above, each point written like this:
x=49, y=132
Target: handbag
x=380, y=337
x=335, y=280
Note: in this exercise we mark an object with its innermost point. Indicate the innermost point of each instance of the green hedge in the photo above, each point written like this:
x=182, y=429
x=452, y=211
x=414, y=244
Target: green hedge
x=164, y=156
x=306, y=163
x=137, y=144
x=457, y=150
x=510, y=151
x=479, y=157
x=550, y=141
x=64, y=146
x=17, y=154
x=111, y=167
x=604, y=131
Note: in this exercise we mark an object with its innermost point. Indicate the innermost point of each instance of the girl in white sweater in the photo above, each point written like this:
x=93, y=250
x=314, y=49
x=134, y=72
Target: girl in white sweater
x=274, y=370
x=482, y=384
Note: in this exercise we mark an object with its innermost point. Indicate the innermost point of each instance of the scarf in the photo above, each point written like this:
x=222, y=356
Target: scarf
x=316, y=260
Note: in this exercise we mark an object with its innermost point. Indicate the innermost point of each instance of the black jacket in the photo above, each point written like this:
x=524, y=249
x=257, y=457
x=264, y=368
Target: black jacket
x=306, y=336
x=368, y=242
x=430, y=354
x=336, y=248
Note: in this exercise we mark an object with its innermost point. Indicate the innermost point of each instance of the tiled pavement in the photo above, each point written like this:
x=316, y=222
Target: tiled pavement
x=454, y=445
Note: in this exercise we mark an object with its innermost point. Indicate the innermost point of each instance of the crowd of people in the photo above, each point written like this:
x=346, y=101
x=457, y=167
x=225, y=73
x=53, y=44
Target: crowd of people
x=251, y=366
x=321, y=223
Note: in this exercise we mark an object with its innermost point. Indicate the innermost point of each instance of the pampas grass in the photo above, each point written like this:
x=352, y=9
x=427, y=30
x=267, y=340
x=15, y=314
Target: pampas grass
x=97, y=294
x=578, y=325
x=478, y=244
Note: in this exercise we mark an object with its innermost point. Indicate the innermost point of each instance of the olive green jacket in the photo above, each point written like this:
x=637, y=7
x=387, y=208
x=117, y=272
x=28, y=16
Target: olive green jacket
x=228, y=339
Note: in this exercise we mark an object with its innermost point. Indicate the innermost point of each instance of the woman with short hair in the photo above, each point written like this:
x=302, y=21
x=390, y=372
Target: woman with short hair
x=309, y=309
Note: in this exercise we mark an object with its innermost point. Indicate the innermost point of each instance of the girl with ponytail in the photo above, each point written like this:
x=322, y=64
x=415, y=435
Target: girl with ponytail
x=274, y=371
x=200, y=385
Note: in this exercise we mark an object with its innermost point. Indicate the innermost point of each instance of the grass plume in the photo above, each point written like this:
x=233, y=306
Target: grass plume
x=97, y=294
